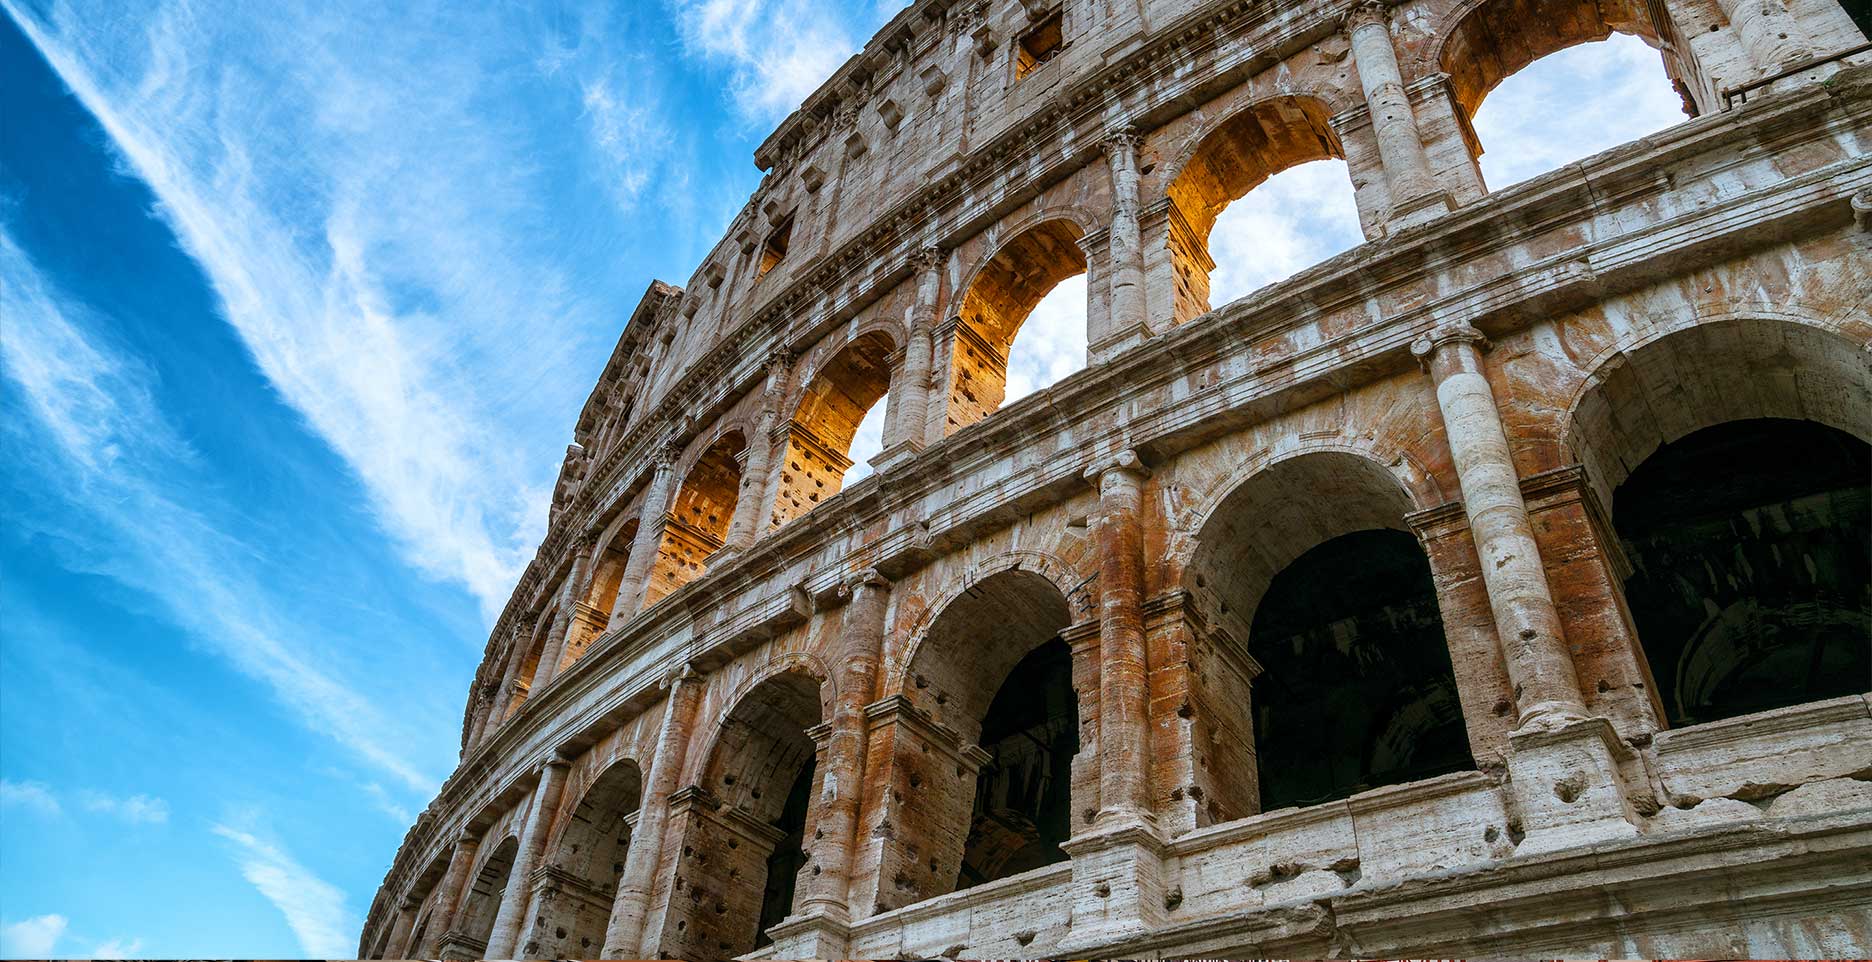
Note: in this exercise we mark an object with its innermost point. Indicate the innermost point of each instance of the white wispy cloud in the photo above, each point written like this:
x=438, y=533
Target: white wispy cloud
x=1051, y=343
x=121, y=457
x=136, y=809
x=36, y=796
x=1293, y=220
x=777, y=51
x=32, y=938
x=1571, y=105
x=116, y=948
x=370, y=215
x=314, y=909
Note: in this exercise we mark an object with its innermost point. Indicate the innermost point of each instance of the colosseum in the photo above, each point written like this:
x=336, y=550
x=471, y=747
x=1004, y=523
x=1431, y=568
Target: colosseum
x=1500, y=586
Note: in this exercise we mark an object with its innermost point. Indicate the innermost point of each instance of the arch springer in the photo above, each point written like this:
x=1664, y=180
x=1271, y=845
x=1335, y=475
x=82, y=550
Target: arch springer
x=862, y=578
x=1125, y=461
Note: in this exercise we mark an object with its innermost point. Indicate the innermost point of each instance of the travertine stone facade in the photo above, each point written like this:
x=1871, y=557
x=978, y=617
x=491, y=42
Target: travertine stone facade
x=1499, y=587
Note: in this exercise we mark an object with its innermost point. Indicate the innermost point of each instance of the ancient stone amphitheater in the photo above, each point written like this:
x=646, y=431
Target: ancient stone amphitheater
x=1497, y=587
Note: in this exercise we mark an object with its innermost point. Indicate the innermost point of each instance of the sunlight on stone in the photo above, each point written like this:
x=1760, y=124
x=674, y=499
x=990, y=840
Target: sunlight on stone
x=1293, y=220
x=1571, y=105
x=867, y=442
x=1051, y=343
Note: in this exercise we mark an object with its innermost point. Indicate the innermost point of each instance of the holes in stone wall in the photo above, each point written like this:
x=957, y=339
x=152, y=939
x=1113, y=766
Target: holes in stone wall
x=774, y=249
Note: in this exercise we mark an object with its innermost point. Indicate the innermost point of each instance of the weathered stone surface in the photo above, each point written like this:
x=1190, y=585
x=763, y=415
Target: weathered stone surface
x=1094, y=672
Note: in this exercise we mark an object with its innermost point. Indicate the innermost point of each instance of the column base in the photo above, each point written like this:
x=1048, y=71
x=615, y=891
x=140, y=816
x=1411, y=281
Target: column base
x=1566, y=783
x=1412, y=211
x=894, y=455
x=817, y=933
x=1118, y=882
x=1112, y=345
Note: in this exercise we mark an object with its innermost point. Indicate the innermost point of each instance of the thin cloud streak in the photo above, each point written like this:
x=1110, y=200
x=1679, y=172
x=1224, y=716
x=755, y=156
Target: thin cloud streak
x=778, y=51
x=377, y=243
x=34, y=796
x=314, y=908
x=120, y=459
x=32, y=938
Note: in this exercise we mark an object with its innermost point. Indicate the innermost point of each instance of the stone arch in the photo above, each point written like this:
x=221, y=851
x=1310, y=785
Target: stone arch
x=1733, y=455
x=1081, y=592
x=1003, y=289
x=839, y=389
x=610, y=556
x=743, y=825
x=418, y=934
x=993, y=777
x=1235, y=154
x=585, y=863
x=531, y=653
x=481, y=903
x=698, y=523
x=1307, y=566
x=1483, y=42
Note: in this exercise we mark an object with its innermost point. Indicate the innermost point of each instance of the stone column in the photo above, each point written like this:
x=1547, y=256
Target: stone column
x=400, y=930
x=860, y=648
x=1130, y=316
x=1414, y=194
x=1124, y=698
x=510, y=677
x=505, y=938
x=1770, y=35
x=751, y=503
x=553, y=652
x=1525, y=618
x=455, y=885
x=624, y=932
x=911, y=430
x=649, y=540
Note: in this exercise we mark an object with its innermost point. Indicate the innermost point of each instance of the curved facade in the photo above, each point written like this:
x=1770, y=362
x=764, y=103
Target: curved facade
x=1497, y=587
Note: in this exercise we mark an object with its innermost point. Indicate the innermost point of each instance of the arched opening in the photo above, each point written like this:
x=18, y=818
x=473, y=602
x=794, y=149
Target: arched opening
x=994, y=796
x=743, y=841
x=820, y=435
x=1356, y=688
x=1000, y=299
x=1238, y=156
x=867, y=443
x=1051, y=343
x=1574, y=78
x=586, y=864
x=1308, y=570
x=1733, y=458
x=608, y=574
x=1750, y=583
x=529, y=663
x=418, y=935
x=698, y=524
x=482, y=903
x=1291, y=221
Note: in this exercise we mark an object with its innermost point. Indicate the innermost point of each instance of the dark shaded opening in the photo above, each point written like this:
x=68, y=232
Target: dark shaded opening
x=1357, y=689
x=774, y=251
x=1041, y=44
x=1023, y=796
x=1751, y=584
x=789, y=855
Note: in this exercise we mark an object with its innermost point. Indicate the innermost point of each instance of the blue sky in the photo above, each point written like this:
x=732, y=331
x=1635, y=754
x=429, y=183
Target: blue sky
x=300, y=302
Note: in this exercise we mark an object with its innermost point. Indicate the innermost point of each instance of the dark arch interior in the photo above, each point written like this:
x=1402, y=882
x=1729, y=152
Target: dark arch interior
x=789, y=855
x=1751, y=587
x=1356, y=689
x=590, y=858
x=1023, y=796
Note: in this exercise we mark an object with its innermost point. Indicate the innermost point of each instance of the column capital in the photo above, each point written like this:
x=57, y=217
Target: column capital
x=1121, y=140
x=683, y=674
x=1361, y=12
x=927, y=258
x=1425, y=348
x=467, y=837
x=561, y=758
x=1125, y=461
x=410, y=903
x=862, y=578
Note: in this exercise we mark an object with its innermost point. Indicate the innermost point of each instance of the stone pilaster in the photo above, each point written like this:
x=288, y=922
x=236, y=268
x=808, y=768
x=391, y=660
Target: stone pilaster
x=1414, y=195
x=1771, y=37
x=649, y=540
x=455, y=885
x=575, y=587
x=910, y=428
x=1124, y=698
x=624, y=933
x=1526, y=620
x=860, y=647
x=510, y=678
x=400, y=929
x=752, y=502
x=1129, y=321
x=515, y=899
